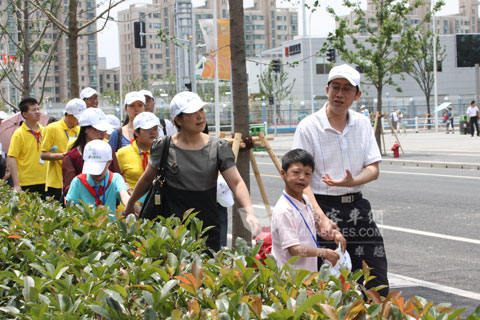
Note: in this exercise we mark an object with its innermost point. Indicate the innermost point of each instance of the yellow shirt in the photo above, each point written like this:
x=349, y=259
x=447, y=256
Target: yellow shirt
x=25, y=147
x=130, y=162
x=57, y=134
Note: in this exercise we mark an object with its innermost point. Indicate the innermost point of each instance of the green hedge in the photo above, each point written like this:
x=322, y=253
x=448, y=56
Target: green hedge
x=74, y=264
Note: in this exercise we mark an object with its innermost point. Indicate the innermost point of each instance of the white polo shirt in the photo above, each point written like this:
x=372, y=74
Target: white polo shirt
x=336, y=151
x=289, y=229
x=472, y=111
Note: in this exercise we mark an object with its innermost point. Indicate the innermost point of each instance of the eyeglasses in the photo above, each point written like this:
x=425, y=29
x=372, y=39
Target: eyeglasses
x=346, y=90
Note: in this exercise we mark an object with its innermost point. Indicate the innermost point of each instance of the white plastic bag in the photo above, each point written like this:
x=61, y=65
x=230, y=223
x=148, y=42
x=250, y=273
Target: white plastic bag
x=343, y=263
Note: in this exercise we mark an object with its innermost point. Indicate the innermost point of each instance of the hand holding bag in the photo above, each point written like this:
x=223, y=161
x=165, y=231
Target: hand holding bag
x=154, y=204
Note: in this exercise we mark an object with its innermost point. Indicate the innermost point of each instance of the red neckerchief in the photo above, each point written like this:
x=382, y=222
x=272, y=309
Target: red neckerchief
x=37, y=135
x=83, y=178
x=142, y=154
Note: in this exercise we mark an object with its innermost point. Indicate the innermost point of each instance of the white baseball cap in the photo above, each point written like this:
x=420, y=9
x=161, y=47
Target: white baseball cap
x=147, y=93
x=224, y=195
x=96, y=154
x=185, y=102
x=133, y=96
x=94, y=117
x=75, y=107
x=345, y=72
x=3, y=115
x=114, y=121
x=87, y=93
x=145, y=120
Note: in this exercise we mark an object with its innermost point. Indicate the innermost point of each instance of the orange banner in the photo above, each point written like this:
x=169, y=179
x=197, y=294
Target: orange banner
x=223, y=51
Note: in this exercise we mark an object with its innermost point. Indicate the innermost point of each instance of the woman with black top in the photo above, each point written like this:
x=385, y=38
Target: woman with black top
x=193, y=163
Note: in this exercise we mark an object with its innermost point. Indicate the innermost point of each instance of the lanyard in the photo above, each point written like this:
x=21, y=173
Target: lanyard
x=97, y=191
x=313, y=237
x=68, y=138
x=35, y=134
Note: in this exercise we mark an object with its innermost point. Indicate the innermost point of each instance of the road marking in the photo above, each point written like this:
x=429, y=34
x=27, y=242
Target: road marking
x=405, y=281
x=391, y=172
x=430, y=174
x=429, y=234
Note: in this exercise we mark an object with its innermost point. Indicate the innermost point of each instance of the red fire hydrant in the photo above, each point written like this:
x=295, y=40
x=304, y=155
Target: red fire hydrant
x=395, y=148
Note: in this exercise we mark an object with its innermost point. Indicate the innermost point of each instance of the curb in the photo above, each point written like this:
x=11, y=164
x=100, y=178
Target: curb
x=407, y=163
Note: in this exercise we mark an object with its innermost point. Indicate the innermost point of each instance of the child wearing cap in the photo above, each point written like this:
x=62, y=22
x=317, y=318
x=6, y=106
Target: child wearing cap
x=134, y=105
x=57, y=135
x=93, y=125
x=96, y=184
x=133, y=159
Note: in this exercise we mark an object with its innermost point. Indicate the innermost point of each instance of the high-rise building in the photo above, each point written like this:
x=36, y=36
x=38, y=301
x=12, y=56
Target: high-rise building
x=57, y=80
x=466, y=21
x=266, y=26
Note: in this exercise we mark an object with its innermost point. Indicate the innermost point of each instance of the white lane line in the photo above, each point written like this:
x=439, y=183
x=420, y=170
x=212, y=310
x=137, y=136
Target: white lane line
x=399, y=172
x=413, y=231
x=404, y=281
x=429, y=174
x=429, y=234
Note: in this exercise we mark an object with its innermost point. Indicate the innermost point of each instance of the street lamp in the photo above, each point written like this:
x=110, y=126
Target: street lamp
x=388, y=102
x=311, y=57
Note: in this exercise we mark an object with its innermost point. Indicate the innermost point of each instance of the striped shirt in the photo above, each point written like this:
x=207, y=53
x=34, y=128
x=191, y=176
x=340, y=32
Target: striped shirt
x=336, y=151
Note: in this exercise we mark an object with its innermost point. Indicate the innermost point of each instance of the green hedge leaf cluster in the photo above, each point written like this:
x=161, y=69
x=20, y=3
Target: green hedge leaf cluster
x=73, y=263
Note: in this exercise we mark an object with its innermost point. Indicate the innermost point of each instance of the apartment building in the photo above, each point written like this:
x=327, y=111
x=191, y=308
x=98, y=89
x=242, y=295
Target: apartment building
x=266, y=26
x=57, y=80
x=466, y=21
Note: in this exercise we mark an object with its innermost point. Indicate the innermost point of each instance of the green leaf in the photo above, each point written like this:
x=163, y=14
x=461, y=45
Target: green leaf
x=100, y=311
x=10, y=309
x=150, y=314
x=307, y=304
x=374, y=309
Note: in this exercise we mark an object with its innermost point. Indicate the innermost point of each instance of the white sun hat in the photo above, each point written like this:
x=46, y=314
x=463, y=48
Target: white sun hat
x=186, y=102
x=133, y=96
x=88, y=93
x=96, y=154
x=96, y=118
x=75, y=107
x=224, y=194
x=345, y=71
x=145, y=120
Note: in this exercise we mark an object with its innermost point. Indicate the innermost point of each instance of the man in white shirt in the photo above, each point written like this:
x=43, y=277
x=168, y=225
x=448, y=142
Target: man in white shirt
x=346, y=157
x=394, y=117
x=472, y=113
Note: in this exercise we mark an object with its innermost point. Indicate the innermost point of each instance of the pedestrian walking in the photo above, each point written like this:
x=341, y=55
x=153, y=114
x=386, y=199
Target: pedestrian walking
x=134, y=105
x=55, y=142
x=449, y=120
x=193, y=163
x=166, y=126
x=96, y=184
x=473, y=115
x=401, y=124
x=346, y=158
x=293, y=221
x=394, y=118
x=93, y=125
x=27, y=169
x=90, y=96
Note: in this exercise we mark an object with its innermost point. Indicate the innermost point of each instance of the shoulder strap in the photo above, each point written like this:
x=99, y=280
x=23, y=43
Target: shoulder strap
x=119, y=138
x=163, y=160
x=164, y=125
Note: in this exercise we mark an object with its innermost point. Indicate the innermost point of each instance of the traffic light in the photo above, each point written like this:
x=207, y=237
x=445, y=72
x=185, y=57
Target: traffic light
x=276, y=65
x=188, y=86
x=139, y=35
x=331, y=55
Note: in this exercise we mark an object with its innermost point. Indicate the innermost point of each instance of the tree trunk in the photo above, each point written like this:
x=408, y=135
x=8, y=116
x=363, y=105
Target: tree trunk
x=240, y=103
x=378, y=130
x=73, y=49
x=26, y=87
x=427, y=99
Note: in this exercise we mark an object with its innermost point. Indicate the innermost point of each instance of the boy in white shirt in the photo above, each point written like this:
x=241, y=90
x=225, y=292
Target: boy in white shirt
x=293, y=223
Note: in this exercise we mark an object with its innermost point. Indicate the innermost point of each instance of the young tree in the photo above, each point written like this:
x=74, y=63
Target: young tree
x=77, y=23
x=388, y=42
x=421, y=65
x=275, y=84
x=240, y=103
x=33, y=48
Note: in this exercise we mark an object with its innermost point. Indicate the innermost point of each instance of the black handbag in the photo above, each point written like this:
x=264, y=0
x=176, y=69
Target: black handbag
x=154, y=204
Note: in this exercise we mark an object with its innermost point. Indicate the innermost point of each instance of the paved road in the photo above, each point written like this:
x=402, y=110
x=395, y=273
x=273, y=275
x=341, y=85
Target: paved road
x=429, y=221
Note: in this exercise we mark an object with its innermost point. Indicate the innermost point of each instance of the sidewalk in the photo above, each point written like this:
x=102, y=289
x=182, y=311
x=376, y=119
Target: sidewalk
x=425, y=149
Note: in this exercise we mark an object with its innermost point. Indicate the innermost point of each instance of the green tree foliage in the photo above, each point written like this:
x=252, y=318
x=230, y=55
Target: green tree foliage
x=74, y=263
x=386, y=44
x=421, y=65
x=33, y=49
x=275, y=84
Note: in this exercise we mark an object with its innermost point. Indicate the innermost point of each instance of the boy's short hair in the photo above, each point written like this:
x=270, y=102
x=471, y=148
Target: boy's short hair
x=26, y=103
x=297, y=155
